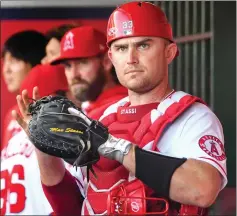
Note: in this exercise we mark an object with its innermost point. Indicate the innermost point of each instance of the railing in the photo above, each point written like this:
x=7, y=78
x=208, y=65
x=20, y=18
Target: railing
x=193, y=70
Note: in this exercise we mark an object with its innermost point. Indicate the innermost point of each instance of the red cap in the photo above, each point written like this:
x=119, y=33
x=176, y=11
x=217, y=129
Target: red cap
x=138, y=19
x=48, y=78
x=81, y=42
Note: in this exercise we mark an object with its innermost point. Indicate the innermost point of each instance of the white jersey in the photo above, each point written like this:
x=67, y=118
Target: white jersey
x=197, y=133
x=21, y=189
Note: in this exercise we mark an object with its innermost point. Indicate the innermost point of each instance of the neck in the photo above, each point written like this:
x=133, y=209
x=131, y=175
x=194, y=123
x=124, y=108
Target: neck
x=157, y=94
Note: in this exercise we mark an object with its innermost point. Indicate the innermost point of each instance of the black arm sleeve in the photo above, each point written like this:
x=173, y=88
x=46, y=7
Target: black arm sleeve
x=156, y=170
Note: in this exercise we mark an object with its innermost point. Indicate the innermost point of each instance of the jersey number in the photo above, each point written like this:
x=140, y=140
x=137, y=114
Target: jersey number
x=9, y=188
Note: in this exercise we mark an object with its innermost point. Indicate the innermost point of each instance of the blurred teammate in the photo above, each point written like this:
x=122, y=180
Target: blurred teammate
x=21, y=52
x=51, y=80
x=20, y=55
x=21, y=191
x=89, y=70
x=54, y=36
x=34, y=80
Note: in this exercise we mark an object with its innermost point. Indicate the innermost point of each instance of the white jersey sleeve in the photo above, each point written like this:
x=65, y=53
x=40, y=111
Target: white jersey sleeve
x=197, y=134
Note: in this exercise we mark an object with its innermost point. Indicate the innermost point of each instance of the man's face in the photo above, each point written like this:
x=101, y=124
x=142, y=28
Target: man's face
x=140, y=62
x=52, y=51
x=14, y=72
x=86, y=77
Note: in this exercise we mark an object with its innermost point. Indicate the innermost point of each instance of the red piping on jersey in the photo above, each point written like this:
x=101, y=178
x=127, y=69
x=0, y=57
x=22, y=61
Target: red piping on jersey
x=216, y=163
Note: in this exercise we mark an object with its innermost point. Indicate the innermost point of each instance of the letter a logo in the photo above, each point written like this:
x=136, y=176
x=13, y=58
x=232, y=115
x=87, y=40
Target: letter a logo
x=68, y=43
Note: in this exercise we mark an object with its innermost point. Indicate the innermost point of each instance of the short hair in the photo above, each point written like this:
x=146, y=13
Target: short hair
x=28, y=46
x=59, y=31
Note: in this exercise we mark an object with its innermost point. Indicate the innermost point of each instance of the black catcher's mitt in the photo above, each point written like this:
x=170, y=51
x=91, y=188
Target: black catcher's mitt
x=55, y=131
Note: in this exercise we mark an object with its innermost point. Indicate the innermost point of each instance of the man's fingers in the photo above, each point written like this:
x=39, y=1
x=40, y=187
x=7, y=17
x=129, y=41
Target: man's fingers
x=36, y=95
x=20, y=120
x=25, y=98
x=21, y=105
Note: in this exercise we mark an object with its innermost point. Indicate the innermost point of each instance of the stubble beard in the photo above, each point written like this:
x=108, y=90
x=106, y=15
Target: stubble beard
x=91, y=91
x=143, y=86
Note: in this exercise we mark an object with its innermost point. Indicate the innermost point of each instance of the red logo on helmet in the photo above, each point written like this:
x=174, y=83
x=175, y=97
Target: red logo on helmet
x=213, y=147
x=112, y=31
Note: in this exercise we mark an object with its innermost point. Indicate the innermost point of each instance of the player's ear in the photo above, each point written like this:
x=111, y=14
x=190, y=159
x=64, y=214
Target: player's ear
x=170, y=52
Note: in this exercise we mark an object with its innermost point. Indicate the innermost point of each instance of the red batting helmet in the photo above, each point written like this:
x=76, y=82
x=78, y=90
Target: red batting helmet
x=138, y=19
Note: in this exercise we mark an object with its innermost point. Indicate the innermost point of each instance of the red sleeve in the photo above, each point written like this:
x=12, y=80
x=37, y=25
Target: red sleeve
x=65, y=197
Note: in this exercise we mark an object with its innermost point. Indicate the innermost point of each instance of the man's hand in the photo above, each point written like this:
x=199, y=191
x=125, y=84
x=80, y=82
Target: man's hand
x=23, y=102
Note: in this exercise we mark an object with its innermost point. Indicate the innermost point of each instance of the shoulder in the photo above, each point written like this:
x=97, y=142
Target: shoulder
x=9, y=122
x=197, y=119
x=197, y=109
x=196, y=122
x=114, y=107
x=200, y=115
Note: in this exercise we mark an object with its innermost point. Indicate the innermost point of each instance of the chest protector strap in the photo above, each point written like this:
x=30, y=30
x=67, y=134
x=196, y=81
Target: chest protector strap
x=168, y=111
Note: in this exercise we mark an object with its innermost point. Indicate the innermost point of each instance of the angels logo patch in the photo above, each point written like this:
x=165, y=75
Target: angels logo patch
x=213, y=147
x=68, y=43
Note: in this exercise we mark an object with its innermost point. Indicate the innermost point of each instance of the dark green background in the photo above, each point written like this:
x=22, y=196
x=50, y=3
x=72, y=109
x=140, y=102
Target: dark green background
x=225, y=79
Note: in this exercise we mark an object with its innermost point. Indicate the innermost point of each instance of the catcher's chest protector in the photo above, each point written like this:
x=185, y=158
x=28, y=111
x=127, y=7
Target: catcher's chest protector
x=113, y=178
